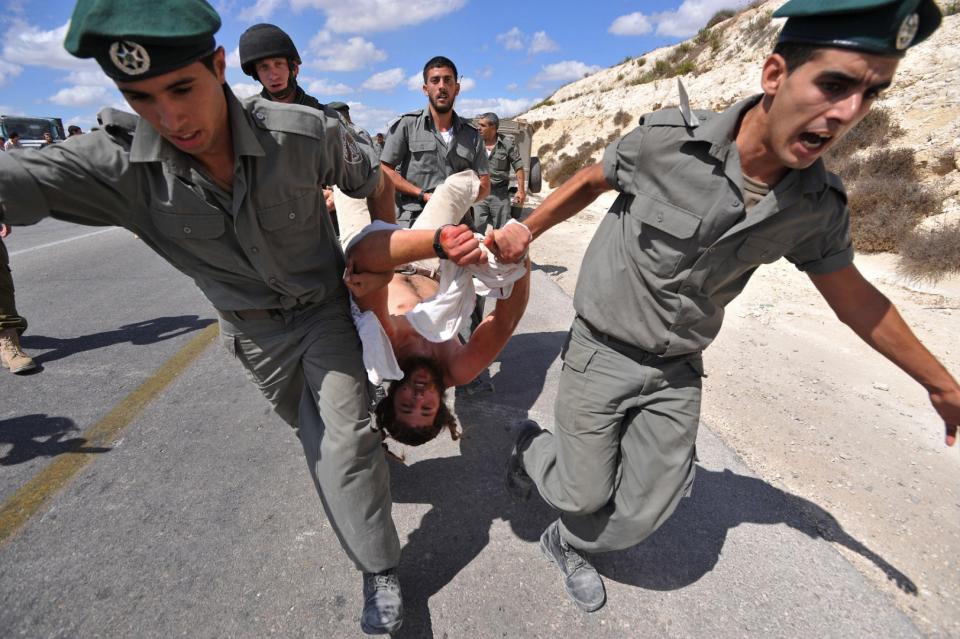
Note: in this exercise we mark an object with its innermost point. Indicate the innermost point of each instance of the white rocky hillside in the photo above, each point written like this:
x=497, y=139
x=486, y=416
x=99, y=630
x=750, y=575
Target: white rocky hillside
x=722, y=65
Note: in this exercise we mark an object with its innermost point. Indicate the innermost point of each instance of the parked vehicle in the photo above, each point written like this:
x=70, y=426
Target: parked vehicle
x=31, y=130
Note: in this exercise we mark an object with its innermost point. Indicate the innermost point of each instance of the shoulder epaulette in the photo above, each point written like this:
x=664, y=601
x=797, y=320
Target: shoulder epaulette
x=290, y=118
x=672, y=117
x=118, y=124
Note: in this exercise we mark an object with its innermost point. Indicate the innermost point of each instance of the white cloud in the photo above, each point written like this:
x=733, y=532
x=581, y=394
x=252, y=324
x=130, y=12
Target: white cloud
x=631, y=24
x=503, y=107
x=8, y=70
x=512, y=39
x=485, y=72
x=467, y=84
x=25, y=44
x=233, y=59
x=260, y=10
x=517, y=40
x=686, y=20
x=325, y=87
x=415, y=81
x=90, y=78
x=245, y=89
x=563, y=72
x=80, y=96
x=384, y=80
x=373, y=119
x=338, y=55
x=542, y=43
x=369, y=16
x=360, y=16
x=513, y=86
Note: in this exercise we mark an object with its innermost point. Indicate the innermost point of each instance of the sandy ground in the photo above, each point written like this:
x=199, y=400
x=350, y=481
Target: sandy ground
x=814, y=411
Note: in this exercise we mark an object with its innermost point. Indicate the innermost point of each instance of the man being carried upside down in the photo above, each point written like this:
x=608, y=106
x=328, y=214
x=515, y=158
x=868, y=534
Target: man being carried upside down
x=420, y=306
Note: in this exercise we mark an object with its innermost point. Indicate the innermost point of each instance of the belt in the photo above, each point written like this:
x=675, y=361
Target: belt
x=630, y=350
x=413, y=269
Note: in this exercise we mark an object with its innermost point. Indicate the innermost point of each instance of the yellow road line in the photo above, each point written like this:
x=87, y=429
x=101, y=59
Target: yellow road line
x=48, y=482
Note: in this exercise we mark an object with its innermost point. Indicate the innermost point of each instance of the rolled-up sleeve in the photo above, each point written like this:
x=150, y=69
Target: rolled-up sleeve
x=829, y=250
x=395, y=145
x=83, y=181
x=351, y=162
x=620, y=160
x=515, y=160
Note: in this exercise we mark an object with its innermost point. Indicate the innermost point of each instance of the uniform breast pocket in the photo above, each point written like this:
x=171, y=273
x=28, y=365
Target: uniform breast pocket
x=761, y=250
x=295, y=215
x=666, y=235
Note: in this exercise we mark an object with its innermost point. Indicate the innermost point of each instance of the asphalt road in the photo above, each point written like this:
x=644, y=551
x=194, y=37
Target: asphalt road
x=196, y=517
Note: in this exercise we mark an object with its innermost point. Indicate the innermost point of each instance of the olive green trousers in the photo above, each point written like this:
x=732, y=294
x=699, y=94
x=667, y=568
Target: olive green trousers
x=9, y=318
x=622, y=454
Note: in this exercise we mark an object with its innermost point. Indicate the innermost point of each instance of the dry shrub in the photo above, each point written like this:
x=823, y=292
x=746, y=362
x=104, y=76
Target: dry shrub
x=886, y=198
x=544, y=149
x=563, y=170
x=548, y=123
x=535, y=126
x=720, y=16
x=885, y=209
x=928, y=254
x=877, y=127
x=622, y=118
x=562, y=141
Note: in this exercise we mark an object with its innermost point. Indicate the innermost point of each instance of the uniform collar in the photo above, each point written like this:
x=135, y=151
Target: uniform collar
x=149, y=146
x=425, y=117
x=719, y=130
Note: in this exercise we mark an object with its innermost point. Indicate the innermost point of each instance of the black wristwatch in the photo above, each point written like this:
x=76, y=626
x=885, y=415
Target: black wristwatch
x=437, y=247
x=420, y=197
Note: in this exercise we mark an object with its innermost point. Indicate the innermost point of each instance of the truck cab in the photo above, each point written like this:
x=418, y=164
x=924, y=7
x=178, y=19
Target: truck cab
x=31, y=130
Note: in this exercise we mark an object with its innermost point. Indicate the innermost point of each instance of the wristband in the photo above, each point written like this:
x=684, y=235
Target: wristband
x=420, y=196
x=437, y=246
x=529, y=232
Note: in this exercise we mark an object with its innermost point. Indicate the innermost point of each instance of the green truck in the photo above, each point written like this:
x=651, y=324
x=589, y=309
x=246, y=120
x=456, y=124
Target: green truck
x=31, y=130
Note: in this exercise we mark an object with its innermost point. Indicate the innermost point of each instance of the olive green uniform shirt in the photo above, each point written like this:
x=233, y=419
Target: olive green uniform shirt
x=267, y=244
x=414, y=147
x=503, y=156
x=676, y=246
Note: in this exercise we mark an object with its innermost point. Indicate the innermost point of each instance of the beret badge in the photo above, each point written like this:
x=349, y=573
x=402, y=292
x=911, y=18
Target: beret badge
x=129, y=57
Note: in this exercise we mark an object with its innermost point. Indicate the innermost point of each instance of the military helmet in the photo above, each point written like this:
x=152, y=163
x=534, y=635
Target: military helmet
x=265, y=41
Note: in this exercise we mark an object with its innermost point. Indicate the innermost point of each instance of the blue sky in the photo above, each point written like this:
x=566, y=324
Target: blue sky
x=369, y=53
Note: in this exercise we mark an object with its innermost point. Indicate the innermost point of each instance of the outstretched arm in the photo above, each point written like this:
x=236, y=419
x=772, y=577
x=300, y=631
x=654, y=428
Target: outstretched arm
x=875, y=319
x=491, y=335
x=383, y=250
x=510, y=243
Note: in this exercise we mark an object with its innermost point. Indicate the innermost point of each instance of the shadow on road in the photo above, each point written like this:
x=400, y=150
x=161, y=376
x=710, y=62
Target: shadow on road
x=39, y=435
x=146, y=332
x=467, y=496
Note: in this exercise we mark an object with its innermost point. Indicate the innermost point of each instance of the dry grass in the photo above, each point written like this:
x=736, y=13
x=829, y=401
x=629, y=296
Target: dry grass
x=622, y=118
x=877, y=127
x=929, y=254
x=566, y=165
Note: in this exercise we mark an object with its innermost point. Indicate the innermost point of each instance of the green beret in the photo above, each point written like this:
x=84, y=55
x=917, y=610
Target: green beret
x=339, y=106
x=139, y=39
x=882, y=27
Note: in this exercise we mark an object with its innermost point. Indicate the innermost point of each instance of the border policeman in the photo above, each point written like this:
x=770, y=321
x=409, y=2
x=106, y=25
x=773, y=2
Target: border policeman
x=268, y=55
x=704, y=200
x=229, y=193
x=502, y=155
x=424, y=147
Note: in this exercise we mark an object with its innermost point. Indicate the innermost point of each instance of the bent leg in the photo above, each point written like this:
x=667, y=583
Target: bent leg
x=575, y=468
x=657, y=463
x=343, y=452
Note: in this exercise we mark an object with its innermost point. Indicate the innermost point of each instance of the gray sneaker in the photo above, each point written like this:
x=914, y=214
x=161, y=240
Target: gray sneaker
x=519, y=484
x=582, y=581
x=382, y=603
